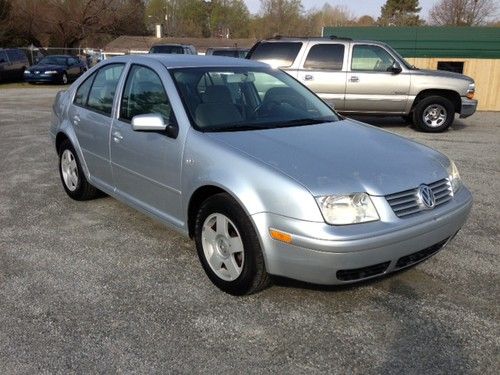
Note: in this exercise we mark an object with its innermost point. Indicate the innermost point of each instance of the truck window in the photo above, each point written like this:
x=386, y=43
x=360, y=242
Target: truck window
x=280, y=55
x=325, y=57
x=370, y=58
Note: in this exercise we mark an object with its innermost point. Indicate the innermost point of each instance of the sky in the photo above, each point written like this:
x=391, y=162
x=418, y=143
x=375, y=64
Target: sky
x=357, y=7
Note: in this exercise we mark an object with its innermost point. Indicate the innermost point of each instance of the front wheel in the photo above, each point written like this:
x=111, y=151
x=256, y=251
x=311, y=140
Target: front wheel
x=434, y=114
x=228, y=247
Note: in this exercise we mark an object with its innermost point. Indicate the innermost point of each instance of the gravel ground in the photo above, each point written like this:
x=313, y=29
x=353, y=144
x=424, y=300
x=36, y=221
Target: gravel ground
x=98, y=287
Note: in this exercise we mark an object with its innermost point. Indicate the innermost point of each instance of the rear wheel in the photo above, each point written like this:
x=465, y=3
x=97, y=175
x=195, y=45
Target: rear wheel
x=228, y=247
x=434, y=114
x=74, y=182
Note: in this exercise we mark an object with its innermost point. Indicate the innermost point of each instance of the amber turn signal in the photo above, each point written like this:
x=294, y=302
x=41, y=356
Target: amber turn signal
x=280, y=236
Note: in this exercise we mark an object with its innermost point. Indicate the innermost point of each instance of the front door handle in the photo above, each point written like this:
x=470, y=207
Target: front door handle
x=354, y=79
x=117, y=136
x=308, y=77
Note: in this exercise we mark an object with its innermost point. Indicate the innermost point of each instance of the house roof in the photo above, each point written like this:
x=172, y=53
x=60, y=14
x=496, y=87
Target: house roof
x=128, y=43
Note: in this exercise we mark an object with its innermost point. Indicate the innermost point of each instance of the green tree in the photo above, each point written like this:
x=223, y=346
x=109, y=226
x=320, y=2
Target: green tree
x=284, y=17
x=400, y=13
x=463, y=12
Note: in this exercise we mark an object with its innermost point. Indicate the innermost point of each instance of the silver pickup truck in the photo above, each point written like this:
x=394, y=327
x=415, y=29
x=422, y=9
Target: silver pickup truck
x=367, y=77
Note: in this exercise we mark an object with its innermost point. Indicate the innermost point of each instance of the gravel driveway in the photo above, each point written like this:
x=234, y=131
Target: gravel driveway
x=98, y=287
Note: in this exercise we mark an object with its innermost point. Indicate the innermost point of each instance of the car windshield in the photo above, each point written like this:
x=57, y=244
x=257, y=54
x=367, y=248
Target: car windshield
x=54, y=60
x=167, y=49
x=235, y=99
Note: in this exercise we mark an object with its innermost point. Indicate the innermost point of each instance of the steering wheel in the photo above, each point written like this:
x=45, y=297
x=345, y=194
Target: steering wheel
x=266, y=107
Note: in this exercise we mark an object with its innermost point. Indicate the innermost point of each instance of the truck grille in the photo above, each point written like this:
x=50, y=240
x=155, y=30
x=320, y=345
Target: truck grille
x=407, y=202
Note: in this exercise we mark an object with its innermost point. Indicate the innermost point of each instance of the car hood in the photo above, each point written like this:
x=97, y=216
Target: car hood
x=46, y=67
x=341, y=157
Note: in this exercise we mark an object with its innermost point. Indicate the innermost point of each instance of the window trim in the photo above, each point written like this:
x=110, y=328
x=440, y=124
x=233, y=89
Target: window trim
x=129, y=70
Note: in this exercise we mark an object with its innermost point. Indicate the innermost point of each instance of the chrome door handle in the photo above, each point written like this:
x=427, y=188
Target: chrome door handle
x=354, y=79
x=117, y=137
x=308, y=77
x=76, y=120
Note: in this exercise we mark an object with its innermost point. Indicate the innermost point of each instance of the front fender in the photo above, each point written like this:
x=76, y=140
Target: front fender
x=256, y=186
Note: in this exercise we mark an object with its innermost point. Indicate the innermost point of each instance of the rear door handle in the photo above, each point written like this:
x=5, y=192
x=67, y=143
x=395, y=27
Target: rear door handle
x=354, y=79
x=76, y=120
x=117, y=136
x=308, y=77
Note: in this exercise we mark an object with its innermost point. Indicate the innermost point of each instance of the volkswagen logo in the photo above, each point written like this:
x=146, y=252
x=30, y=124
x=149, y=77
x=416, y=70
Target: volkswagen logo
x=426, y=196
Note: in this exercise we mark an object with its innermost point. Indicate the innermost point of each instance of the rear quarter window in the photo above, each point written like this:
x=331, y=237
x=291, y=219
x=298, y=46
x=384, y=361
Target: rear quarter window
x=277, y=54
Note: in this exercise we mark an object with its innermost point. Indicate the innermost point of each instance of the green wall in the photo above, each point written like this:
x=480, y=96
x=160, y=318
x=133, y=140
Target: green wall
x=472, y=42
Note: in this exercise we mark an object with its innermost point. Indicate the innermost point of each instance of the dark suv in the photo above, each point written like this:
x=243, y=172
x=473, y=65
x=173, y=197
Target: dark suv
x=13, y=62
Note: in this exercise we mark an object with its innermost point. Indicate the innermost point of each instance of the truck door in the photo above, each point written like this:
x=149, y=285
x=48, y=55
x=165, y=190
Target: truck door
x=323, y=70
x=372, y=86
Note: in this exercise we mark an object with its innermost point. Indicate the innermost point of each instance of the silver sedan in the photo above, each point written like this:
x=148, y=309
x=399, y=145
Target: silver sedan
x=262, y=174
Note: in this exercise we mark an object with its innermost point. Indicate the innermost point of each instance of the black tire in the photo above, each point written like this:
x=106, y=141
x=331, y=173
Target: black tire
x=253, y=277
x=444, y=107
x=82, y=191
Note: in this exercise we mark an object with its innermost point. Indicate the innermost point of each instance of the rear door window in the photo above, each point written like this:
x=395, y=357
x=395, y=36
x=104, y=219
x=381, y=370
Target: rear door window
x=82, y=93
x=325, y=57
x=278, y=54
x=103, y=88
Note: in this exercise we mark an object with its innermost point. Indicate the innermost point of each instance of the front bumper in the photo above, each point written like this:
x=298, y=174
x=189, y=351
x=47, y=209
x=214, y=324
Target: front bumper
x=468, y=107
x=325, y=254
x=42, y=77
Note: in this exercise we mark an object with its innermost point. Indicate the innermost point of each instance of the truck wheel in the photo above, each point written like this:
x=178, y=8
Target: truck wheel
x=229, y=248
x=434, y=114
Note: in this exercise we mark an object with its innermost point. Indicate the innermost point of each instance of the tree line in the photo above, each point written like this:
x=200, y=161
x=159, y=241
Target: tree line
x=71, y=23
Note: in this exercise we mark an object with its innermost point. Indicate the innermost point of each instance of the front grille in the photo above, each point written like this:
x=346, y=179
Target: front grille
x=361, y=273
x=419, y=255
x=407, y=202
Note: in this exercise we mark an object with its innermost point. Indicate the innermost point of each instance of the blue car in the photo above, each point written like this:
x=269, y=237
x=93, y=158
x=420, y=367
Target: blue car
x=55, y=69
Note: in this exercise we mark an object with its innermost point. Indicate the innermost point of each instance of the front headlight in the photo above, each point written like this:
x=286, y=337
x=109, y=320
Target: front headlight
x=51, y=72
x=27, y=72
x=454, y=177
x=471, y=90
x=347, y=209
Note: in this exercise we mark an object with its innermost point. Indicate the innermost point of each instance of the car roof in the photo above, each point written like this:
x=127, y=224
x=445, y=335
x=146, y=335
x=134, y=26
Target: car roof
x=185, y=61
x=320, y=39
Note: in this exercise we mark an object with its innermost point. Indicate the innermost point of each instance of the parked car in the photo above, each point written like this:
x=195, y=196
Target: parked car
x=55, y=69
x=176, y=49
x=228, y=52
x=13, y=62
x=367, y=77
x=262, y=174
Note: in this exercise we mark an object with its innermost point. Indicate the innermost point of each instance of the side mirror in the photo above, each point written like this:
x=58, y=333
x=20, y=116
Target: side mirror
x=395, y=68
x=154, y=122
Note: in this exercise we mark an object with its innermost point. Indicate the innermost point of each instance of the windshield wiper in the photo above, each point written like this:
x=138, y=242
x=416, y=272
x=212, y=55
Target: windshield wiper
x=302, y=121
x=235, y=128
